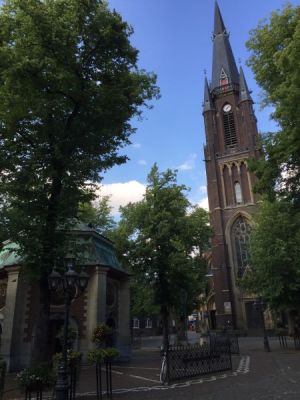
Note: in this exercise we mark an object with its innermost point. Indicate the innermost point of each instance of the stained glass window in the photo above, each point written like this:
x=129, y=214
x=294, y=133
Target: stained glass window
x=240, y=239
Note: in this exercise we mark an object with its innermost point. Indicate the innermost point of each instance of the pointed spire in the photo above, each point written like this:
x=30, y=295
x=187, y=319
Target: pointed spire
x=224, y=70
x=244, y=91
x=219, y=24
x=207, y=104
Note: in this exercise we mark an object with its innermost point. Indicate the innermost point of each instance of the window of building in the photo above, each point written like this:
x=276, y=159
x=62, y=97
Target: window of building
x=136, y=323
x=148, y=323
x=240, y=239
x=238, y=193
x=229, y=129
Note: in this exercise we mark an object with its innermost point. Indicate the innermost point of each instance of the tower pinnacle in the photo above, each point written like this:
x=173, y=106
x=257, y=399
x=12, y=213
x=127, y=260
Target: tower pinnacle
x=244, y=91
x=207, y=104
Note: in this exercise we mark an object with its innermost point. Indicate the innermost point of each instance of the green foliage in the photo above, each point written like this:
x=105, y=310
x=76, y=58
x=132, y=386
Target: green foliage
x=71, y=334
x=73, y=357
x=36, y=377
x=162, y=245
x=275, y=256
x=97, y=214
x=69, y=86
x=275, y=49
x=274, y=247
x=100, y=355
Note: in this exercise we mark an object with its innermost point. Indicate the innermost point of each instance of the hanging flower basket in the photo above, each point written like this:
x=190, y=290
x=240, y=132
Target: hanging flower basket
x=102, y=335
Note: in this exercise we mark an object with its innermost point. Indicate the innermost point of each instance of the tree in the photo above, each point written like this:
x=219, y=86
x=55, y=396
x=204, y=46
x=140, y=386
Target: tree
x=275, y=268
x=69, y=86
x=163, y=244
x=98, y=214
x=275, y=256
x=275, y=48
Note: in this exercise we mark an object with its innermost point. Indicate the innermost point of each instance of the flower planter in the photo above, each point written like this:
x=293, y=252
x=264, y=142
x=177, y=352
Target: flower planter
x=103, y=357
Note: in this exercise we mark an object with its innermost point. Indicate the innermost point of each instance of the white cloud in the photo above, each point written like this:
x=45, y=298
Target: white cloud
x=122, y=193
x=142, y=162
x=188, y=164
x=136, y=145
x=203, y=203
x=203, y=189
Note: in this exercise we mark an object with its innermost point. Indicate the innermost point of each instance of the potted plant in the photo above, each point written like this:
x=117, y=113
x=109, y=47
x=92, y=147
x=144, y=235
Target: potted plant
x=98, y=356
x=102, y=335
x=36, y=378
x=103, y=355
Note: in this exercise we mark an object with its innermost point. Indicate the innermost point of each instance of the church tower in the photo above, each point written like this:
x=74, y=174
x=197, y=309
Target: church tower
x=231, y=140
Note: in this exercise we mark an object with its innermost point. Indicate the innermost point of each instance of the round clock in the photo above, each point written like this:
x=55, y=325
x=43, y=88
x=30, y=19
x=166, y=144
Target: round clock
x=227, y=108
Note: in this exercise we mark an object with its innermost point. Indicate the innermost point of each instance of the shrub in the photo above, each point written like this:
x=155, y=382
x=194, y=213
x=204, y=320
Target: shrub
x=99, y=355
x=39, y=376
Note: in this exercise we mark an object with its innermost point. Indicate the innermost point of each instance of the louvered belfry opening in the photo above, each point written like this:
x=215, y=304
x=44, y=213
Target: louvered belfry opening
x=229, y=130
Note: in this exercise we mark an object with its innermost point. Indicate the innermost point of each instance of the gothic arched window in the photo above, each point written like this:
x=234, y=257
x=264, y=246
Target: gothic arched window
x=240, y=236
x=238, y=193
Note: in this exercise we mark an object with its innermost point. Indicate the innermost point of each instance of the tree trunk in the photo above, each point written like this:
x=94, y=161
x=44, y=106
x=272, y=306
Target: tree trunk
x=291, y=322
x=165, y=325
x=41, y=331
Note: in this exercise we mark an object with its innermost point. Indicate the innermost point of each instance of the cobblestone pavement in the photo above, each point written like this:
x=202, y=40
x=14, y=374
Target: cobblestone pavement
x=256, y=375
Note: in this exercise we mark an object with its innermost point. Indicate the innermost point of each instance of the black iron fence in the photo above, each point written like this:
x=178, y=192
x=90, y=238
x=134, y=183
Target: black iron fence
x=286, y=342
x=193, y=360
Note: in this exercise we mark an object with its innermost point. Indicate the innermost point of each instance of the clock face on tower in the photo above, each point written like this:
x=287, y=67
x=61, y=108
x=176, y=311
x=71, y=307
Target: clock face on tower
x=227, y=108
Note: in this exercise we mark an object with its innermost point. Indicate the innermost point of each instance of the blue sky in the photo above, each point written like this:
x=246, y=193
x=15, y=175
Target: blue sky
x=174, y=40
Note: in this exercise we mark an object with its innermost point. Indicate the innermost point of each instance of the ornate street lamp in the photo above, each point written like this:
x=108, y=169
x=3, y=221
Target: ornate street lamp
x=261, y=306
x=69, y=282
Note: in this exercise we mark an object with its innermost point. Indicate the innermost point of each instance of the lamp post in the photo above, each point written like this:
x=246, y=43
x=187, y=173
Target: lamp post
x=260, y=306
x=68, y=281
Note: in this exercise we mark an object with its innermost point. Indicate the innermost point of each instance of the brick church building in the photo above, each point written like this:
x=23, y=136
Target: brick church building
x=231, y=140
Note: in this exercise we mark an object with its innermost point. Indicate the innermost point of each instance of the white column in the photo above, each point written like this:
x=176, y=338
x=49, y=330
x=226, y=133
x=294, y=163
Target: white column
x=96, y=301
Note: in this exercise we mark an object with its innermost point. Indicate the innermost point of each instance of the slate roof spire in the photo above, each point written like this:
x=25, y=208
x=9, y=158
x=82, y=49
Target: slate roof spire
x=207, y=104
x=244, y=91
x=219, y=26
x=224, y=66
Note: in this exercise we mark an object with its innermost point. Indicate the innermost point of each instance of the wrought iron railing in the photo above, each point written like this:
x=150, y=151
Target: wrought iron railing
x=180, y=362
